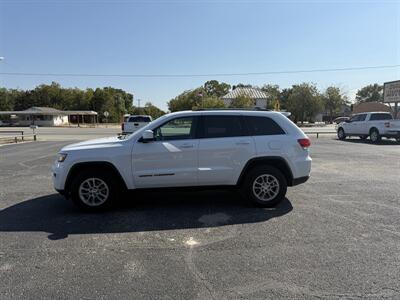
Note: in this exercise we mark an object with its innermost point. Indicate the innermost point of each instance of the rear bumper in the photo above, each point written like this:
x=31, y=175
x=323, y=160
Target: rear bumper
x=300, y=180
x=392, y=133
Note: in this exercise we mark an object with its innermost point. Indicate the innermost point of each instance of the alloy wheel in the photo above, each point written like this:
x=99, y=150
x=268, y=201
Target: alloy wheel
x=93, y=191
x=266, y=187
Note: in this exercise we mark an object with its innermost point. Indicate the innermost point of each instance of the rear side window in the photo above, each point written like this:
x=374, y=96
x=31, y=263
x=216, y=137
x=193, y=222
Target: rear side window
x=262, y=126
x=222, y=126
x=376, y=117
x=140, y=119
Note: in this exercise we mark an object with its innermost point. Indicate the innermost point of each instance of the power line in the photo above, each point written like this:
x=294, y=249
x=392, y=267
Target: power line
x=199, y=75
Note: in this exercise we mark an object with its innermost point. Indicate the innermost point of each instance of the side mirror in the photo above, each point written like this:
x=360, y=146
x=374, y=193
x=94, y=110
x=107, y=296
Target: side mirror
x=147, y=136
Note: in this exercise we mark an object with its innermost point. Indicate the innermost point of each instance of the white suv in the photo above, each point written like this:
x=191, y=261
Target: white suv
x=259, y=152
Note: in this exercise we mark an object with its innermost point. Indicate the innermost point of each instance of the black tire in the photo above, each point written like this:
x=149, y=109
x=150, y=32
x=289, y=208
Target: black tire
x=100, y=177
x=274, y=174
x=374, y=135
x=398, y=139
x=341, y=134
x=363, y=137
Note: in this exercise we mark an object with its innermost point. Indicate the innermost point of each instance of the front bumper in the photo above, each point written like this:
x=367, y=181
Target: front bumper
x=300, y=180
x=59, y=172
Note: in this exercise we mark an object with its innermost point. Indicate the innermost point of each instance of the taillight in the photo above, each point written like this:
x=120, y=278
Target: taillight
x=387, y=124
x=304, y=143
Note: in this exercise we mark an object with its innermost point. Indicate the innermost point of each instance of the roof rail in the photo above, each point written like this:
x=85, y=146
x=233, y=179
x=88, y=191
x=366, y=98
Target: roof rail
x=245, y=109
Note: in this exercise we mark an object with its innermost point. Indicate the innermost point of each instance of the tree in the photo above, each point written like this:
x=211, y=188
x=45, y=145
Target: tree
x=242, y=85
x=370, y=93
x=273, y=94
x=284, y=97
x=148, y=109
x=215, y=89
x=304, y=102
x=6, y=99
x=333, y=100
x=210, y=102
x=187, y=100
x=242, y=101
x=115, y=101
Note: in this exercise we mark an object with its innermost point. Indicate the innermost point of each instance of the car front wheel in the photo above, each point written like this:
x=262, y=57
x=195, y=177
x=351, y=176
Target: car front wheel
x=265, y=186
x=94, y=190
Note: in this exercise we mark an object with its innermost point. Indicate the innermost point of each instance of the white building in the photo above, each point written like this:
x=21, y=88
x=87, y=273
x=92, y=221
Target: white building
x=47, y=116
x=259, y=97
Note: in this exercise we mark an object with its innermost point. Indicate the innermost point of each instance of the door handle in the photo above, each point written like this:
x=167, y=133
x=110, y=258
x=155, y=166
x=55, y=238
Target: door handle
x=187, y=146
x=243, y=143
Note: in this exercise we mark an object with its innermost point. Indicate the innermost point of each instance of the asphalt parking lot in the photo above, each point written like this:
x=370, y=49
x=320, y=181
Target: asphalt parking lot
x=335, y=237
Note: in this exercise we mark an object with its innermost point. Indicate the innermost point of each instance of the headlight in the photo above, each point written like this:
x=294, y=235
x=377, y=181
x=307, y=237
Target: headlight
x=61, y=157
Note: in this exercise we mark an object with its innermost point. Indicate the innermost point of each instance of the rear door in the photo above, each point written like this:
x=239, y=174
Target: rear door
x=269, y=137
x=224, y=149
x=378, y=120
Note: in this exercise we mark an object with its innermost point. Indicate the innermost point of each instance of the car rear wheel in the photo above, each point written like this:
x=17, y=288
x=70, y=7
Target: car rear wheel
x=94, y=190
x=265, y=186
x=341, y=135
x=374, y=136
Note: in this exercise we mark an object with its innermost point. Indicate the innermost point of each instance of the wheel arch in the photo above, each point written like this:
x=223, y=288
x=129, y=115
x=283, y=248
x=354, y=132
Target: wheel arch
x=275, y=161
x=372, y=129
x=96, y=165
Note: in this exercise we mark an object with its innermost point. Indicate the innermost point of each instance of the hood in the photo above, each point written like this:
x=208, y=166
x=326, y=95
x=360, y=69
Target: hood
x=96, y=143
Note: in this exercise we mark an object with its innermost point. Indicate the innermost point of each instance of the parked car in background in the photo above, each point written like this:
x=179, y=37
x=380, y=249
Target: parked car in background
x=340, y=119
x=2, y=123
x=133, y=123
x=374, y=125
x=258, y=152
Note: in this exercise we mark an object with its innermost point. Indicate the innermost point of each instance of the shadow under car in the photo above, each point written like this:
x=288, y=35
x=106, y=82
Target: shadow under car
x=152, y=211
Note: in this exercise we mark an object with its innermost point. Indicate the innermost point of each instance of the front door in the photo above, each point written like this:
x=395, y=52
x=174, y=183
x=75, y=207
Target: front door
x=352, y=127
x=171, y=159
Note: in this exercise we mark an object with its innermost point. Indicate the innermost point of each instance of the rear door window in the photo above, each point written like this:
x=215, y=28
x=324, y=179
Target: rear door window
x=258, y=125
x=381, y=116
x=222, y=126
x=357, y=118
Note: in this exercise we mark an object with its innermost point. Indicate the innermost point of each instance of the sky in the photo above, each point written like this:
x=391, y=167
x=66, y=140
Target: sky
x=172, y=37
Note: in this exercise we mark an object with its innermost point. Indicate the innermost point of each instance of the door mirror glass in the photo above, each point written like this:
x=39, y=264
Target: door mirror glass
x=147, y=136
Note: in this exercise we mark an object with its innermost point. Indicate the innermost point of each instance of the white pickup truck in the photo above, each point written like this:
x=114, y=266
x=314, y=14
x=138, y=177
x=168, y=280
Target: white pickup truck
x=134, y=123
x=372, y=124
